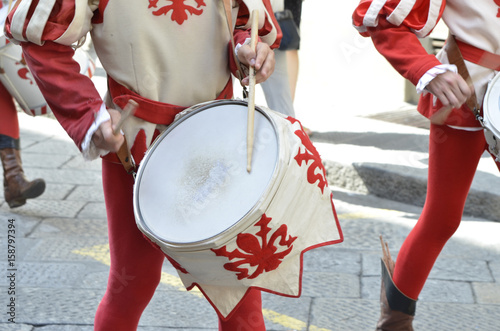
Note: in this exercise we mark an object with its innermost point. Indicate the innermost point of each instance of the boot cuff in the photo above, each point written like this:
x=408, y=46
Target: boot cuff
x=9, y=142
x=396, y=299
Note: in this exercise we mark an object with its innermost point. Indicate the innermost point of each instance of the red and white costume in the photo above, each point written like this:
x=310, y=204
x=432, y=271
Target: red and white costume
x=455, y=148
x=167, y=55
x=9, y=125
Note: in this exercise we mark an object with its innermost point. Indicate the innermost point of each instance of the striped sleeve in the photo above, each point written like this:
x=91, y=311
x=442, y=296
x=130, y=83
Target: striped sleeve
x=62, y=21
x=269, y=31
x=420, y=16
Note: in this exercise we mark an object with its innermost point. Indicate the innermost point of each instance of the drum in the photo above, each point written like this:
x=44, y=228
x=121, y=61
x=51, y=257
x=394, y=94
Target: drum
x=17, y=79
x=223, y=228
x=491, y=116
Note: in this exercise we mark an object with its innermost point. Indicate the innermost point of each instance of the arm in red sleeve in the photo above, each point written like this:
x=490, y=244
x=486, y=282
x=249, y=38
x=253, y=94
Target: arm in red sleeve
x=401, y=47
x=71, y=96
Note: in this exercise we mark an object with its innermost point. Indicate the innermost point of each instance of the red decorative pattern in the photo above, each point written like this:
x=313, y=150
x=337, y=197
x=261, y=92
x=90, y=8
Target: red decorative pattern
x=263, y=255
x=179, y=9
x=497, y=2
x=23, y=74
x=310, y=153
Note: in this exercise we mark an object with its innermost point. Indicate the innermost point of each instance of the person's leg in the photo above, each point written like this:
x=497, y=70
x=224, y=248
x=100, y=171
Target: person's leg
x=17, y=188
x=135, y=264
x=292, y=60
x=9, y=125
x=277, y=89
x=295, y=6
x=248, y=316
x=453, y=158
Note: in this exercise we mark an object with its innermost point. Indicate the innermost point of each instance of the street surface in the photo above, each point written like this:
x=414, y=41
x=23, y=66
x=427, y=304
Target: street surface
x=61, y=251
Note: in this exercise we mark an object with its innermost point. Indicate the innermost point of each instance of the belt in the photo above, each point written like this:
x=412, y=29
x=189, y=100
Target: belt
x=154, y=111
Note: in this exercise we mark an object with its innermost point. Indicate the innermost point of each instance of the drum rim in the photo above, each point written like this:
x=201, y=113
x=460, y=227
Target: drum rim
x=207, y=242
x=486, y=108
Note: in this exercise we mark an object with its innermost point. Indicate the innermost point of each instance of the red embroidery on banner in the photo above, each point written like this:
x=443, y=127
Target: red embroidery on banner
x=310, y=153
x=263, y=255
x=179, y=9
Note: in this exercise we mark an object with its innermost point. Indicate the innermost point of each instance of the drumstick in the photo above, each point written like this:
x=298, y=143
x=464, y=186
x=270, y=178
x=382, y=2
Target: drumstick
x=128, y=111
x=251, y=92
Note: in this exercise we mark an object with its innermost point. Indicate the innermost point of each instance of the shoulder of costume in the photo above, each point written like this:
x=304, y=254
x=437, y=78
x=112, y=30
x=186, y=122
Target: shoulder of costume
x=268, y=31
x=62, y=21
x=421, y=16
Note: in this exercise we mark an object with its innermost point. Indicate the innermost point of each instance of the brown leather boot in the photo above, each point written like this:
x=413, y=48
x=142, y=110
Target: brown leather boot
x=396, y=309
x=16, y=187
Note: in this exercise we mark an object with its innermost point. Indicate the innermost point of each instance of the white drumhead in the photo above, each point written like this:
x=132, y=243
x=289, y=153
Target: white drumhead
x=193, y=184
x=491, y=106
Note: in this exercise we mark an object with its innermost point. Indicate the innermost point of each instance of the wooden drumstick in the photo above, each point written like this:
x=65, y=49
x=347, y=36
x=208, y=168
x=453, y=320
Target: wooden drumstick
x=251, y=92
x=128, y=111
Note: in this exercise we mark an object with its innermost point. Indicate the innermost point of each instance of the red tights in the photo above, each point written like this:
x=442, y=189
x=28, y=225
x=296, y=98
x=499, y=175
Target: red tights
x=136, y=266
x=453, y=158
x=9, y=125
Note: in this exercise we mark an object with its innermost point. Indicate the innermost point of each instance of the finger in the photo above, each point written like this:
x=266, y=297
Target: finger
x=246, y=55
x=466, y=89
x=104, y=138
x=442, y=96
x=263, y=53
x=267, y=69
x=115, y=117
x=112, y=142
x=97, y=137
x=458, y=95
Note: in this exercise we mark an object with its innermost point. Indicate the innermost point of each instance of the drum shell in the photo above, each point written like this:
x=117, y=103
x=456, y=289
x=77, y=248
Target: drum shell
x=491, y=115
x=18, y=80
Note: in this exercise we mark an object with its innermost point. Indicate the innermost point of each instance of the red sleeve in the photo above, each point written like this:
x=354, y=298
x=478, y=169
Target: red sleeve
x=71, y=96
x=368, y=14
x=394, y=31
x=403, y=50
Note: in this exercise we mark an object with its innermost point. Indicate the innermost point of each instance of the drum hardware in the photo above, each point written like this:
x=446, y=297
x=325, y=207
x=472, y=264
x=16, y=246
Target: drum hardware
x=490, y=119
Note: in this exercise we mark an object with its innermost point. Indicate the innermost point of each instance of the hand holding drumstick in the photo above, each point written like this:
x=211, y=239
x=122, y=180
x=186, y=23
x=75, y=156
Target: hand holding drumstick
x=107, y=136
x=261, y=59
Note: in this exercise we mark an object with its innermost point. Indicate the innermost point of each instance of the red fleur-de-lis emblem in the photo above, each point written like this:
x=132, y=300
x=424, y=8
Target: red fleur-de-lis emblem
x=310, y=153
x=180, y=10
x=263, y=256
x=23, y=73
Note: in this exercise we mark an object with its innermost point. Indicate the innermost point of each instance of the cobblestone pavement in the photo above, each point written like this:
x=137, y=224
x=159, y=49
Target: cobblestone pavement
x=61, y=252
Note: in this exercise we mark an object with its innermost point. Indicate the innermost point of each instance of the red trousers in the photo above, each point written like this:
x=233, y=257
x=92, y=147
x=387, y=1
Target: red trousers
x=136, y=265
x=9, y=124
x=453, y=159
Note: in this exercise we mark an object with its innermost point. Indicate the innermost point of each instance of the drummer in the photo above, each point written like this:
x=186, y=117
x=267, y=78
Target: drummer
x=457, y=141
x=167, y=56
x=17, y=188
